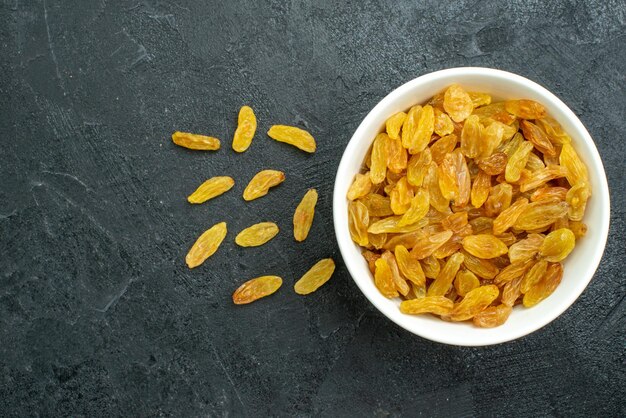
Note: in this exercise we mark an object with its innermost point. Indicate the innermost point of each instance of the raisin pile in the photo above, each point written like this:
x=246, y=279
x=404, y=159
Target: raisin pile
x=466, y=208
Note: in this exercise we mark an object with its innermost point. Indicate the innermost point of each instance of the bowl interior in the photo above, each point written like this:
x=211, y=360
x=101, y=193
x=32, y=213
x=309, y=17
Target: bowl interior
x=579, y=267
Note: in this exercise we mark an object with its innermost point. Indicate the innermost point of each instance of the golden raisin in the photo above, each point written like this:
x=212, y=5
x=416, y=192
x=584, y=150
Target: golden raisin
x=303, y=216
x=397, y=156
x=493, y=316
x=358, y=222
x=431, y=267
x=525, y=109
x=195, y=141
x=480, y=267
x=442, y=146
x=545, y=287
x=484, y=246
x=291, y=135
x=394, y=124
x=493, y=165
x=443, y=123
x=211, y=188
x=525, y=249
x=399, y=282
x=246, y=127
x=507, y=217
x=446, y=276
x=457, y=103
x=499, y=199
x=383, y=279
x=418, y=208
x=431, y=182
x=409, y=266
x=428, y=244
x=206, y=245
x=446, y=175
x=425, y=125
x=518, y=161
x=480, y=189
x=360, y=187
x=533, y=275
x=257, y=234
x=378, y=169
x=410, y=126
x=557, y=245
x=261, y=183
x=256, y=289
x=471, y=137
x=576, y=198
x=474, y=302
x=465, y=282
x=540, y=214
x=539, y=139
x=549, y=193
x=554, y=131
x=542, y=176
x=437, y=305
x=576, y=170
x=377, y=205
x=418, y=167
x=317, y=275
x=513, y=271
x=401, y=196
x=479, y=99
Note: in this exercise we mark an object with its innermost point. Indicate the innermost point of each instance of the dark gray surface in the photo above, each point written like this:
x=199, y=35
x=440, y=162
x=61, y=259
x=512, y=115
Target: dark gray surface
x=100, y=316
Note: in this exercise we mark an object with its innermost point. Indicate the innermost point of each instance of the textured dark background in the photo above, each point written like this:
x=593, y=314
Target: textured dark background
x=100, y=316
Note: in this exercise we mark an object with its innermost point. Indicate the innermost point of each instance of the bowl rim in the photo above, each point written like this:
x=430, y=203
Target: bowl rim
x=340, y=219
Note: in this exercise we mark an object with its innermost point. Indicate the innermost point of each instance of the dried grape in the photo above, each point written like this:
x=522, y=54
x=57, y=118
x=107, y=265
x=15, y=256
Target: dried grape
x=401, y=196
x=545, y=287
x=533, y=275
x=492, y=317
x=409, y=266
x=437, y=305
x=494, y=164
x=399, y=282
x=261, y=183
x=211, y=188
x=256, y=289
x=484, y=246
x=446, y=276
x=303, y=216
x=457, y=103
x=538, y=137
x=465, y=282
x=358, y=222
x=474, y=302
x=576, y=198
x=443, y=123
x=246, y=127
x=525, y=249
x=195, y=141
x=291, y=135
x=557, y=245
x=383, y=279
x=378, y=169
x=317, y=275
x=360, y=187
x=257, y=234
x=394, y=124
x=206, y=245
x=525, y=109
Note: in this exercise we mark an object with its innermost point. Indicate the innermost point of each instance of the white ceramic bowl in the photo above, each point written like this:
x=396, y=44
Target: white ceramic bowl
x=579, y=267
